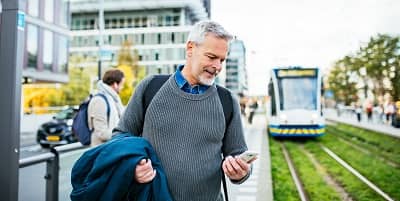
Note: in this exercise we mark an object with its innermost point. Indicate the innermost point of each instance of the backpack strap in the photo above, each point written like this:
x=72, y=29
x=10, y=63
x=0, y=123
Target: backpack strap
x=151, y=89
x=227, y=104
x=108, y=106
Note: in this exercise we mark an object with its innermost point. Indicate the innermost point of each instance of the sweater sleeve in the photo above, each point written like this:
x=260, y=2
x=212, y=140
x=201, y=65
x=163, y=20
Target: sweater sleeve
x=133, y=117
x=234, y=142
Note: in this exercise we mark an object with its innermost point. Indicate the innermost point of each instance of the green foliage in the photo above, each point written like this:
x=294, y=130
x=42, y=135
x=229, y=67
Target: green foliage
x=352, y=185
x=283, y=186
x=342, y=87
x=381, y=174
x=378, y=63
x=314, y=184
x=382, y=145
x=128, y=63
x=78, y=87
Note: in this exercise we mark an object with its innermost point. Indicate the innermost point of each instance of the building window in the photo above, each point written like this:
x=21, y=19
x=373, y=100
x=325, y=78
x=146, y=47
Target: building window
x=152, y=21
x=33, y=8
x=130, y=22
x=114, y=23
x=64, y=13
x=62, y=54
x=92, y=24
x=137, y=22
x=144, y=22
x=168, y=20
x=121, y=23
x=49, y=10
x=48, y=50
x=32, y=45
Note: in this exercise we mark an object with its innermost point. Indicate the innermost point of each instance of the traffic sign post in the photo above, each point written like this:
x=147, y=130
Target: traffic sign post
x=12, y=28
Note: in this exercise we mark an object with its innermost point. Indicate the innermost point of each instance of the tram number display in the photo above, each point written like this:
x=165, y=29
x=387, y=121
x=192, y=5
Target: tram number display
x=296, y=73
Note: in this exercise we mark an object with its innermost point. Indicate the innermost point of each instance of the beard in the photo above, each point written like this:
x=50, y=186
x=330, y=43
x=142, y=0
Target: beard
x=206, y=81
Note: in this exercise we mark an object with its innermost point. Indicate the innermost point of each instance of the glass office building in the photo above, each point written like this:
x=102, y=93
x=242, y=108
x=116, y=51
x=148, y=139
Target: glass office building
x=236, y=74
x=46, y=41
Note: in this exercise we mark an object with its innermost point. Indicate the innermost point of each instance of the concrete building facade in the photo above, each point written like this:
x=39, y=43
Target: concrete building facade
x=157, y=30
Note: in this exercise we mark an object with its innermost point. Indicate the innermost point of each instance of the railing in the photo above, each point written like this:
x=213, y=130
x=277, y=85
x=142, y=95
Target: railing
x=52, y=160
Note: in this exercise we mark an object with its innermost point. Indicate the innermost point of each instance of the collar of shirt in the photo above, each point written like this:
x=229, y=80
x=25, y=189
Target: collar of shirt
x=184, y=84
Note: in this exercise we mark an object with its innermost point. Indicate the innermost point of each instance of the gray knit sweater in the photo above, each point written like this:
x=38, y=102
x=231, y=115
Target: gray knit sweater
x=187, y=133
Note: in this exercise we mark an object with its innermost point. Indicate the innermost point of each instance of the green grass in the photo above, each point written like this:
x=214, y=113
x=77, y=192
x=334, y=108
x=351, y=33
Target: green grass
x=382, y=142
x=283, y=186
x=352, y=185
x=314, y=184
x=389, y=156
x=381, y=174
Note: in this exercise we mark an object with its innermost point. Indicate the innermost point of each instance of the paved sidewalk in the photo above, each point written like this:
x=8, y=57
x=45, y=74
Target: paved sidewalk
x=259, y=186
x=331, y=115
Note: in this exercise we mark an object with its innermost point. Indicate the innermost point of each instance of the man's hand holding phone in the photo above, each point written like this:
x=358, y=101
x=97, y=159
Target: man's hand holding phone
x=236, y=168
x=248, y=156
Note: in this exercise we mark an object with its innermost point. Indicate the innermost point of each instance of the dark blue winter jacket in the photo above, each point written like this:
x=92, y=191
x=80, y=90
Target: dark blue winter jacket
x=106, y=172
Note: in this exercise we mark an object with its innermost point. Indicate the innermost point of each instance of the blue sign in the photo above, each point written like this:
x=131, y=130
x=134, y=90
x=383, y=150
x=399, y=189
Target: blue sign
x=328, y=94
x=106, y=55
x=21, y=20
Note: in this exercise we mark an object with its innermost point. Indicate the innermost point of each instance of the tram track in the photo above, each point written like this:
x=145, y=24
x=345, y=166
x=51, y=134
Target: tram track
x=357, y=174
x=294, y=174
x=331, y=180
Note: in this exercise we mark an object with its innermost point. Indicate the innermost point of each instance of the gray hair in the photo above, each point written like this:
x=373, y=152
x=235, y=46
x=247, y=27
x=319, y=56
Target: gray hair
x=202, y=28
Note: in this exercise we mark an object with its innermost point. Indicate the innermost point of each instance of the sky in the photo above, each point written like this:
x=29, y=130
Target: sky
x=309, y=33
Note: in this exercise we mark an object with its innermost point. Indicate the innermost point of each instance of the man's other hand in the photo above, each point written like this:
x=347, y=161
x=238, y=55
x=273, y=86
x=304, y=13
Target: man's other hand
x=144, y=172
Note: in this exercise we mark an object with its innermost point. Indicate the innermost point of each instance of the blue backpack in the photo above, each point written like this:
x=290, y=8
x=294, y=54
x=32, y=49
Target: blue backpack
x=80, y=125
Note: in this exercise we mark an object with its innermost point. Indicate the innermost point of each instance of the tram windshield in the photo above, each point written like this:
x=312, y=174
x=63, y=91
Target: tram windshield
x=298, y=93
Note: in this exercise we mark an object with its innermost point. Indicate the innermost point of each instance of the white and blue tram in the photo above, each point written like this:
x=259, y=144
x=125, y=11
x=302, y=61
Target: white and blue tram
x=295, y=107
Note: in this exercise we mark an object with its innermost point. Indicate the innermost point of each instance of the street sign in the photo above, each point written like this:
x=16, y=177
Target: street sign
x=21, y=20
x=106, y=55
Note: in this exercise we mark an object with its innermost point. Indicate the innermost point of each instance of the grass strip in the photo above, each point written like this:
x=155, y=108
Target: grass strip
x=391, y=156
x=283, y=186
x=314, y=184
x=353, y=186
x=383, y=142
x=381, y=174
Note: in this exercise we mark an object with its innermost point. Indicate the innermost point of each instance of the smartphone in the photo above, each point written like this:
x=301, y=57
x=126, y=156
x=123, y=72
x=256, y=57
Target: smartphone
x=247, y=156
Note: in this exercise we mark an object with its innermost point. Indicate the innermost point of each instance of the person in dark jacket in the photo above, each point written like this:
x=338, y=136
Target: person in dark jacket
x=106, y=172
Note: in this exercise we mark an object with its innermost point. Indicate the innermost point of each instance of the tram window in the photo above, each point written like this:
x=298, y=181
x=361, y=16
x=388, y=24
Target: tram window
x=272, y=97
x=298, y=93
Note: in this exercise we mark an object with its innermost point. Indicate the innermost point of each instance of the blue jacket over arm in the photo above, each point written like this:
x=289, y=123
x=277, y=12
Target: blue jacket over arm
x=106, y=172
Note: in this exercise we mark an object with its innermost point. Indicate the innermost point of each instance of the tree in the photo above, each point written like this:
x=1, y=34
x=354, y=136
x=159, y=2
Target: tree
x=128, y=63
x=378, y=63
x=340, y=82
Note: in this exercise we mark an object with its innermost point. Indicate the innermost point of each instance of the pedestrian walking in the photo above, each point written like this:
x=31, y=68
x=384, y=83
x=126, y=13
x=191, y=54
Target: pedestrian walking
x=368, y=110
x=358, y=112
x=185, y=123
x=99, y=119
x=252, y=109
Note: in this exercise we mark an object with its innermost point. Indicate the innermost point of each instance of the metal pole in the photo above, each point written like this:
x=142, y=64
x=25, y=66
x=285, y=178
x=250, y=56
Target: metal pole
x=52, y=177
x=101, y=29
x=12, y=28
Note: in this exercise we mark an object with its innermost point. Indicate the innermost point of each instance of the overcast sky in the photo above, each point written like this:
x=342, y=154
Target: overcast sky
x=302, y=32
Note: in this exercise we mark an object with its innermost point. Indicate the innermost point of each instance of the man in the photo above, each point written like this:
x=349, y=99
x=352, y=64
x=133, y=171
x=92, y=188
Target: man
x=185, y=122
x=98, y=119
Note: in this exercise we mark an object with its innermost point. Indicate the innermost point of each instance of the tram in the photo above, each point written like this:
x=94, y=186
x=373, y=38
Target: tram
x=295, y=108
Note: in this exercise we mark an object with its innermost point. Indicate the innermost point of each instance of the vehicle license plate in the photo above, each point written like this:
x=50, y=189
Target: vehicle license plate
x=53, y=138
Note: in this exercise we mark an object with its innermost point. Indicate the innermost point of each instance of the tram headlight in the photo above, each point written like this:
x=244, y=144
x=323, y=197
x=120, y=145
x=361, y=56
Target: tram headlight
x=314, y=116
x=283, y=117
